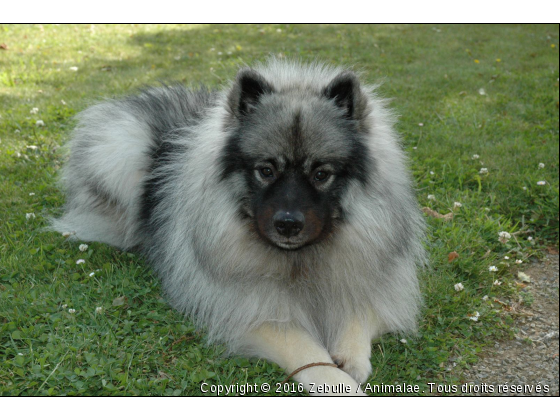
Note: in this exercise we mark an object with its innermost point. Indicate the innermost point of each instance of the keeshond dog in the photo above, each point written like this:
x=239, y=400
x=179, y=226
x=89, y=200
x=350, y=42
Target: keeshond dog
x=278, y=212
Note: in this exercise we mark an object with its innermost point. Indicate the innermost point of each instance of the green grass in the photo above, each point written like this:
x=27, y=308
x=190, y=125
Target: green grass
x=137, y=345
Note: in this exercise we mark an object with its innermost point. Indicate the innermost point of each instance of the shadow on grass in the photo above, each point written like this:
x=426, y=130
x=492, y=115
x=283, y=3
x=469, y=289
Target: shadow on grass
x=193, y=54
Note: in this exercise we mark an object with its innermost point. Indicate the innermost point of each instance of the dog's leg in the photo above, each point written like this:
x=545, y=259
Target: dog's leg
x=292, y=348
x=352, y=352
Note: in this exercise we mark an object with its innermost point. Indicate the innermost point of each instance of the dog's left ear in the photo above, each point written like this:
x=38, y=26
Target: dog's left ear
x=346, y=92
x=247, y=90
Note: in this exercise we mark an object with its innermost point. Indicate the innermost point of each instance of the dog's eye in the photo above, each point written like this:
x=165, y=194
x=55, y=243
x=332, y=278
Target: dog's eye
x=321, y=176
x=267, y=172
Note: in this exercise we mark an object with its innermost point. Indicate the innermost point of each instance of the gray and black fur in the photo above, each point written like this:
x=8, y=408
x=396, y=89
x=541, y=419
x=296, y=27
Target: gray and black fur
x=283, y=198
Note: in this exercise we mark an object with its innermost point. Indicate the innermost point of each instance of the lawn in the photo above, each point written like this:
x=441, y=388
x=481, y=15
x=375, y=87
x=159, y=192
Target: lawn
x=478, y=114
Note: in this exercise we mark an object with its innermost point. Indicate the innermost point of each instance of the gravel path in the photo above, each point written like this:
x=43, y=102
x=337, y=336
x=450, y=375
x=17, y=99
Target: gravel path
x=531, y=359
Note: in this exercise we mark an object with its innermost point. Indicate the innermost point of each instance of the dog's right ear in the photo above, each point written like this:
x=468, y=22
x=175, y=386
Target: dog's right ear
x=246, y=92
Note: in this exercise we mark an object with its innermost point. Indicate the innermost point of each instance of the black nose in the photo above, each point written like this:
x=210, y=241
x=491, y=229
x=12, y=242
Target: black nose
x=288, y=223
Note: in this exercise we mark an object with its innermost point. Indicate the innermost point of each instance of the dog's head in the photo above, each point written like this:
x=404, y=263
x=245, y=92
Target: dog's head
x=295, y=148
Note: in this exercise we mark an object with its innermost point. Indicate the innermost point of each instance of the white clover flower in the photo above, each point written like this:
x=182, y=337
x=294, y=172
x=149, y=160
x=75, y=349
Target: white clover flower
x=421, y=124
x=40, y=123
x=497, y=283
x=530, y=238
x=481, y=91
x=485, y=297
x=403, y=341
x=432, y=173
x=83, y=247
x=541, y=165
x=67, y=234
x=64, y=306
x=483, y=171
x=73, y=68
x=504, y=237
x=431, y=197
x=474, y=317
x=541, y=183
x=99, y=309
x=31, y=194
x=34, y=111
x=92, y=274
x=492, y=268
x=457, y=205
x=30, y=216
x=475, y=156
x=506, y=257
x=80, y=261
x=459, y=287
x=518, y=261
x=71, y=311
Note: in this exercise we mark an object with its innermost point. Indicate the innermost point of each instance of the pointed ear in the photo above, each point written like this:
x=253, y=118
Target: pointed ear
x=247, y=90
x=345, y=91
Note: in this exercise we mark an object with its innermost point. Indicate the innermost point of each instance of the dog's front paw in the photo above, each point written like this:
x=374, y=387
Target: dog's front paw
x=358, y=368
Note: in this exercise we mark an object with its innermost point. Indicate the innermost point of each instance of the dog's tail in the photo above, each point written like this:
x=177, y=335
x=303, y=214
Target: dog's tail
x=109, y=159
x=112, y=153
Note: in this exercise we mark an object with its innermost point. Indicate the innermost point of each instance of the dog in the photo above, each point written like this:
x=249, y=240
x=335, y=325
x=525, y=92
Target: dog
x=278, y=212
